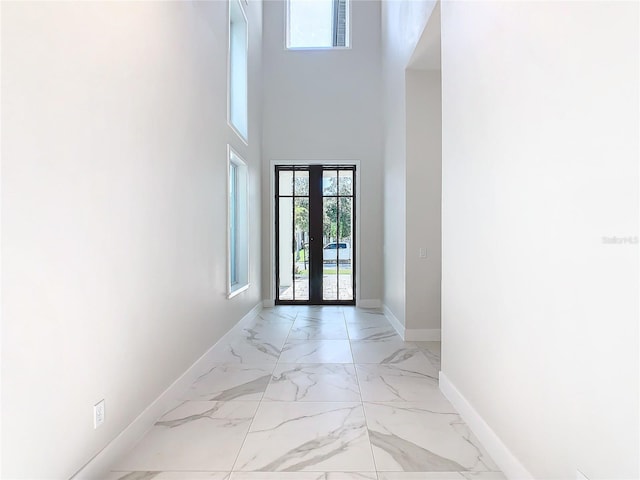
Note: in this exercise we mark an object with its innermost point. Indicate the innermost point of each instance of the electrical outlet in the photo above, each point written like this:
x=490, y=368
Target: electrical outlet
x=422, y=252
x=98, y=414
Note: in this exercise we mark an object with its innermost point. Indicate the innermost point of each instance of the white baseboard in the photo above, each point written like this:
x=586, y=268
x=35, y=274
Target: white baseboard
x=369, y=303
x=393, y=320
x=497, y=450
x=268, y=303
x=422, y=334
x=98, y=467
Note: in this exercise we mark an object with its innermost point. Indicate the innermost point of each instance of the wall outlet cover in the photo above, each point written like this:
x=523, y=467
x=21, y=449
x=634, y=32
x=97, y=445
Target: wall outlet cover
x=98, y=414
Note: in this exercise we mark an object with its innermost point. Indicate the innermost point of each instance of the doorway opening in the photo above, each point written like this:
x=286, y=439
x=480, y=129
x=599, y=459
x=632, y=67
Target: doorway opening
x=315, y=234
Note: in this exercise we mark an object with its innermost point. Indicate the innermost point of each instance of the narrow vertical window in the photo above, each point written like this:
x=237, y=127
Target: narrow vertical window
x=233, y=224
x=238, y=225
x=317, y=23
x=238, y=42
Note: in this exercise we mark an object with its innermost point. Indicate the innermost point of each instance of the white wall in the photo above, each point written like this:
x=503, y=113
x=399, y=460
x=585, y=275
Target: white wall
x=423, y=202
x=540, y=162
x=411, y=290
x=326, y=105
x=114, y=146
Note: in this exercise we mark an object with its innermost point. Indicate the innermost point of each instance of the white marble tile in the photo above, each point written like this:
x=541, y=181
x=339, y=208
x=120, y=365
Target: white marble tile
x=270, y=332
x=313, y=383
x=411, y=437
x=196, y=436
x=243, y=350
x=168, y=476
x=441, y=476
x=388, y=351
x=282, y=313
x=326, y=314
x=365, y=315
x=304, y=476
x=483, y=475
x=316, y=351
x=231, y=381
x=299, y=436
x=419, y=476
x=371, y=331
x=390, y=382
x=269, y=326
x=312, y=329
x=432, y=351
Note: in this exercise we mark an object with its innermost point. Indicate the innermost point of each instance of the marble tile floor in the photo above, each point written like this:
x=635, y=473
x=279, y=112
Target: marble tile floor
x=313, y=393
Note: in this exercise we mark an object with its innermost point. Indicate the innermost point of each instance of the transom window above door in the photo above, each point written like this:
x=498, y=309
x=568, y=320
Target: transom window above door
x=317, y=24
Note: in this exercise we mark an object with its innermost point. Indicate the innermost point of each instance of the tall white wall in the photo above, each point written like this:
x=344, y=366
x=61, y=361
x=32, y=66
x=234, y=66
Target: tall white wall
x=423, y=201
x=114, y=144
x=326, y=105
x=540, y=162
x=411, y=164
x=402, y=26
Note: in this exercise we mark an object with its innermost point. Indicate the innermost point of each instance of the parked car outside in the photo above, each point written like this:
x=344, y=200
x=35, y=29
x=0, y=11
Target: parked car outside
x=340, y=251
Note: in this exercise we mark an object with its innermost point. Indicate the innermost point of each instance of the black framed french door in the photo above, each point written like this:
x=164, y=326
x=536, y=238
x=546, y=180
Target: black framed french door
x=315, y=234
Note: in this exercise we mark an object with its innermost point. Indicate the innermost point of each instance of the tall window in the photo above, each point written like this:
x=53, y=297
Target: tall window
x=238, y=225
x=317, y=23
x=238, y=103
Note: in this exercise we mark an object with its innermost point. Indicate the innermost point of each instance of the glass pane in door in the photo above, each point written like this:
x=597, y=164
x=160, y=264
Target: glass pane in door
x=330, y=249
x=286, y=246
x=329, y=182
x=301, y=248
x=345, y=248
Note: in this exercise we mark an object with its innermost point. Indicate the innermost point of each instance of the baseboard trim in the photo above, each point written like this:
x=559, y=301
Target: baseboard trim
x=393, y=320
x=268, y=303
x=98, y=467
x=369, y=303
x=422, y=334
x=497, y=450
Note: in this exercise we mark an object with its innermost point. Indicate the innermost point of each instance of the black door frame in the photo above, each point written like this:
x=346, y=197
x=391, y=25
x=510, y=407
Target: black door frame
x=315, y=233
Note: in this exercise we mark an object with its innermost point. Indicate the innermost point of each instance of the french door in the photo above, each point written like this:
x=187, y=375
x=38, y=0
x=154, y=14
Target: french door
x=315, y=234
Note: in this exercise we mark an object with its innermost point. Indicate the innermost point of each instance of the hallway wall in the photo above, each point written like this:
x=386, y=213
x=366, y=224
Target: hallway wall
x=423, y=193
x=402, y=26
x=114, y=146
x=325, y=105
x=540, y=171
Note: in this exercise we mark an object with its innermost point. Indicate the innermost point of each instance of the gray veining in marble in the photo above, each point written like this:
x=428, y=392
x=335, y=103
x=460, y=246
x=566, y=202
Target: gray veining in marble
x=185, y=437
x=316, y=351
x=231, y=381
x=246, y=350
x=411, y=457
x=169, y=476
x=281, y=398
x=441, y=476
x=304, y=476
x=411, y=436
x=389, y=382
x=313, y=383
x=312, y=329
x=326, y=315
x=275, y=333
x=277, y=315
x=391, y=351
x=359, y=331
x=432, y=351
x=296, y=436
x=133, y=475
x=365, y=315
